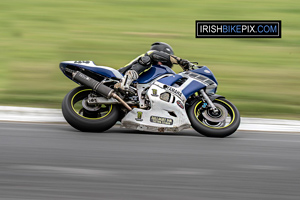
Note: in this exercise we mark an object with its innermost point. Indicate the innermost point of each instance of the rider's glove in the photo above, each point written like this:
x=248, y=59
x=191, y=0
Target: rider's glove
x=192, y=66
x=185, y=64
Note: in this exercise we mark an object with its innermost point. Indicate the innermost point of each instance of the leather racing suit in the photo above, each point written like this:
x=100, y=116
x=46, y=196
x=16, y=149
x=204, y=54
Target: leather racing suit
x=143, y=62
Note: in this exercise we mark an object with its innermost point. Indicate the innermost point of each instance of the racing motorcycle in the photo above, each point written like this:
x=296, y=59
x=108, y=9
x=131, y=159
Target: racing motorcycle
x=158, y=101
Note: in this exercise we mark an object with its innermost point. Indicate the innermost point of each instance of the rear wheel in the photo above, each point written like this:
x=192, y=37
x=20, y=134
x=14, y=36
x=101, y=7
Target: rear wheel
x=88, y=118
x=222, y=123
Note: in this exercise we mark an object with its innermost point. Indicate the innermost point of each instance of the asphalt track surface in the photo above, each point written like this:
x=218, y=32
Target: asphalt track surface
x=54, y=161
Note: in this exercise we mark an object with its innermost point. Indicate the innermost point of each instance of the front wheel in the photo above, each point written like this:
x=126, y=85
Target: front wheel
x=87, y=118
x=220, y=124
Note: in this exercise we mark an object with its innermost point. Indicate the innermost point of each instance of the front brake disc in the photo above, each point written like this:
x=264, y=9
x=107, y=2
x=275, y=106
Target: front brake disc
x=216, y=117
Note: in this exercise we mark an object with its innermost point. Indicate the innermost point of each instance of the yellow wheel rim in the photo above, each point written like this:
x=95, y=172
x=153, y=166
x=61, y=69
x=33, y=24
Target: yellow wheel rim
x=72, y=104
x=198, y=113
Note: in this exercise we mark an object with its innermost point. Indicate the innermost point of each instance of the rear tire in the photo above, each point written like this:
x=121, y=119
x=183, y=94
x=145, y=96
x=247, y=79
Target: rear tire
x=218, y=125
x=97, y=119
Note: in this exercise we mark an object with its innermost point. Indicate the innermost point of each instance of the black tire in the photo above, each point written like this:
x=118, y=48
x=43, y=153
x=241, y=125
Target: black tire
x=85, y=120
x=208, y=128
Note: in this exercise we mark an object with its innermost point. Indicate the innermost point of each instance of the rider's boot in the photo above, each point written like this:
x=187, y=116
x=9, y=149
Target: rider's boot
x=129, y=77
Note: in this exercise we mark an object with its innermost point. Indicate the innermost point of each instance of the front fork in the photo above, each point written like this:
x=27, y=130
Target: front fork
x=210, y=103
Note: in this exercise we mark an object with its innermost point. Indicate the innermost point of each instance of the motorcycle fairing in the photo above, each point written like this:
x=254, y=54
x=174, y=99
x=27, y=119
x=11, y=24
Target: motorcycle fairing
x=205, y=71
x=164, y=116
x=193, y=83
x=170, y=80
x=90, y=65
x=154, y=72
x=192, y=87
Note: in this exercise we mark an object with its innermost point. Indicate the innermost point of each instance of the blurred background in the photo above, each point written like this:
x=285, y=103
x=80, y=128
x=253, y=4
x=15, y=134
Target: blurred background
x=260, y=76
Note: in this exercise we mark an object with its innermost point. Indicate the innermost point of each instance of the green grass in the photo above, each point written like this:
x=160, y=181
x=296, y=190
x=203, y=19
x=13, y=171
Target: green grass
x=260, y=76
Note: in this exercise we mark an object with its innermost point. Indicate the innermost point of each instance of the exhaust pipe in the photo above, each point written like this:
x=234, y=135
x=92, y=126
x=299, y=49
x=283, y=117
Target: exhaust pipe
x=98, y=87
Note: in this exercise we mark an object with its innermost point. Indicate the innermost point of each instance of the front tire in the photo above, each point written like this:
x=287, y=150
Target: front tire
x=88, y=119
x=221, y=124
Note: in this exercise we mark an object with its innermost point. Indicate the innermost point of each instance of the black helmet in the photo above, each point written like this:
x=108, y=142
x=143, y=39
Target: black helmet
x=161, y=46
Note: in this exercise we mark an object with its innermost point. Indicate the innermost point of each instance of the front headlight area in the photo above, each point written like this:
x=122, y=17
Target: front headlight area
x=165, y=96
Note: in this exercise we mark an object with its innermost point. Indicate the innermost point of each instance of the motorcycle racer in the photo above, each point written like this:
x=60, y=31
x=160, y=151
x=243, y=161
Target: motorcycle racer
x=160, y=53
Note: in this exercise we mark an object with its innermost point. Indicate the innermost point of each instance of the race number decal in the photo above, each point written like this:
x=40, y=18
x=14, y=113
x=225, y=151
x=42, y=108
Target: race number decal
x=82, y=61
x=161, y=120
